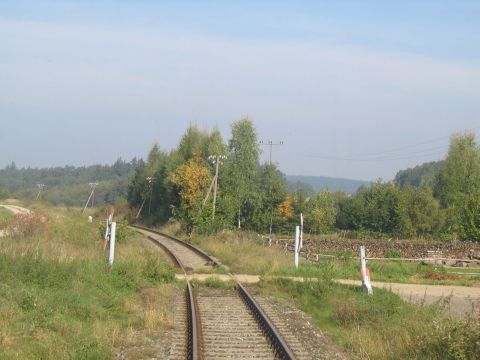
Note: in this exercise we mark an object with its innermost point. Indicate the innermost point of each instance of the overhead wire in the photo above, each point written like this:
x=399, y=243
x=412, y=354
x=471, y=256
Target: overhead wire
x=394, y=154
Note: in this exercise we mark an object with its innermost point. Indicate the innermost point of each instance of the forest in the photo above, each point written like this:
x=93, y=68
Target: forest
x=436, y=200
x=68, y=185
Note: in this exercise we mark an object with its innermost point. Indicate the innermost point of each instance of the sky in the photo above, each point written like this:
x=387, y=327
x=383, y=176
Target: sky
x=354, y=89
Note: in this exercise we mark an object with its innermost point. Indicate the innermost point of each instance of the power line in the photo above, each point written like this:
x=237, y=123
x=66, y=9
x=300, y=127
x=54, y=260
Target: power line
x=393, y=154
x=271, y=144
x=377, y=159
x=409, y=155
x=415, y=144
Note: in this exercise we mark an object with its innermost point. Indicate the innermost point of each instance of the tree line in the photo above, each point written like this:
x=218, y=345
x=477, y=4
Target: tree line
x=68, y=185
x=256, y=196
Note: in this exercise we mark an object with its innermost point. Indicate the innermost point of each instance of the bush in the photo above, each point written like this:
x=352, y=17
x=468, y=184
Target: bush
x=21, y=225
x=156, y=271
x=453, y=339
x=122, y=231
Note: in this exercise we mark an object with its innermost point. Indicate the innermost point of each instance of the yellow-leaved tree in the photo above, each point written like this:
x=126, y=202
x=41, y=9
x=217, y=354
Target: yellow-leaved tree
x=192, y=180
x=285, y=208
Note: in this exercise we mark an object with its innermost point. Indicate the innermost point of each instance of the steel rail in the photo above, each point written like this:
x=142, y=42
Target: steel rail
x=193, y=330
x=279, y=344
x=184, y=243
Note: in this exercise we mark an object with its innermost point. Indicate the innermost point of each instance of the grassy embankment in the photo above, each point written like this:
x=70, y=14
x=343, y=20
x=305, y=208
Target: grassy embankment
x=244, y=255
x=381, y=326
x=59, y=300
x=4, y=215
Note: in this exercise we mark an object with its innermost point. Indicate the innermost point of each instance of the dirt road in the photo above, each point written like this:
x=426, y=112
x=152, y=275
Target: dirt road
x=463, y=299
x=14, y=210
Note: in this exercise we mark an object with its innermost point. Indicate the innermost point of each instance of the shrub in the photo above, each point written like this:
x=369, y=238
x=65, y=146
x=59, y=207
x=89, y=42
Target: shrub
x=453, y=339
x=122, y=231
x=21, y=225
x=156, y=271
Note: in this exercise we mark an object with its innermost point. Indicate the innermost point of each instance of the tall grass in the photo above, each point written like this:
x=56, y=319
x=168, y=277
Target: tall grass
x=381, y=326
x=4, y=215
x=244, y=255
x=58, y=299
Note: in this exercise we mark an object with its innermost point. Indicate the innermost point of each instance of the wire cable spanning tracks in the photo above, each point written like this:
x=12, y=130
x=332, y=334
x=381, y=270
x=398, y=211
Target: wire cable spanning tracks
x=232, y=329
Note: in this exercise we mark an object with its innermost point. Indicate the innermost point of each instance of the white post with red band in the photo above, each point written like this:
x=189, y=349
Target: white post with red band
x=111, y=247
x=297, y=244
x=366, y=283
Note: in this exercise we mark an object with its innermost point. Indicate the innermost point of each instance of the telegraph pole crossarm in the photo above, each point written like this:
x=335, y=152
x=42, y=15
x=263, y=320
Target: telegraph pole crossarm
x=270, y=144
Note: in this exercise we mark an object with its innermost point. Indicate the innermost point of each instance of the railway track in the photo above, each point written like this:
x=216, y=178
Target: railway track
x=218, y=323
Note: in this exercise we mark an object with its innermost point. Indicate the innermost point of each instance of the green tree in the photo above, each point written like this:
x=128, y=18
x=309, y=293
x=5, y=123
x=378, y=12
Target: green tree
x=321, y=212
x=272, y=191
x=3, y=193
x=420, y=175
x=424, y=216
x=458, y=186
x=193, y=143
x=241, y=180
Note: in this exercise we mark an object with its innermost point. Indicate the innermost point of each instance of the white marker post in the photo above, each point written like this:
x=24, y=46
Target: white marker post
x=111, y=248
x=366, y=283
x=296, y=250
x=301, y=232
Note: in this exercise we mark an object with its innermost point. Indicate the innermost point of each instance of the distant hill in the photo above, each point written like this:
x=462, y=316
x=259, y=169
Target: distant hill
x=419, y=175
x=69, y=185
x=317, y=183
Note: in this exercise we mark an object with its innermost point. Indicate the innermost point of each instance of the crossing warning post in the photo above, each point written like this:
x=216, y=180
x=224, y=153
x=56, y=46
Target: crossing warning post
x=366, y=283
x=297, y=245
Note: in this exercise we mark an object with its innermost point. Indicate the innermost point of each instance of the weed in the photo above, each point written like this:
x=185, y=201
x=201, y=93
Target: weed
x=156, y=270
x=439, y=274
x=392, y=254
x=58, y=299
x=4, y=215
x=213, y=282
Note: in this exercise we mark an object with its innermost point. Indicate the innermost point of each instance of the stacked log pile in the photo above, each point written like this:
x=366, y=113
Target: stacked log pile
x=390, y=248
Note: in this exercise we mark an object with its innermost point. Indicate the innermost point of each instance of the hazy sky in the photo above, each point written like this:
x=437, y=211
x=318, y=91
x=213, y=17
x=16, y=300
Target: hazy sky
x=355, y=89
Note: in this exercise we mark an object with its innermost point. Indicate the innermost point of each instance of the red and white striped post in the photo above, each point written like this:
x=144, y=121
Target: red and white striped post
x=366, y=283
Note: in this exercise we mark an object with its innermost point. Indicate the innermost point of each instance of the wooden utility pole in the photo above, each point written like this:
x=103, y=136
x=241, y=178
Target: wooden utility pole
x=216, y=159
x=215, y=188
x=150, y=181
x=93, y=185
x=40, y=189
